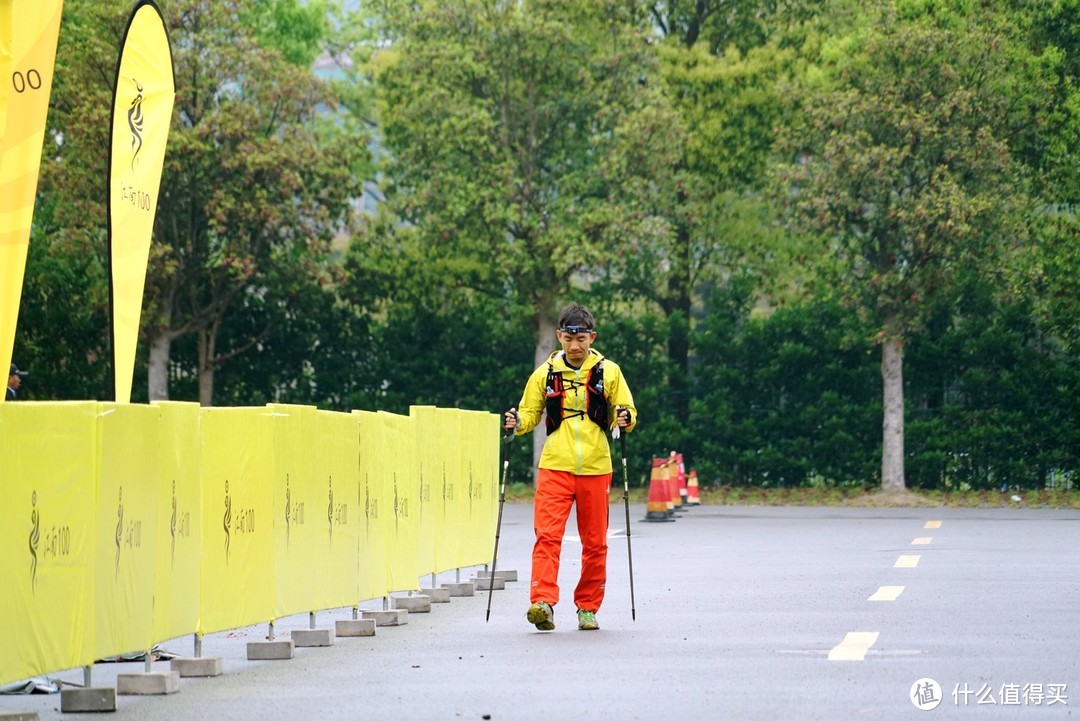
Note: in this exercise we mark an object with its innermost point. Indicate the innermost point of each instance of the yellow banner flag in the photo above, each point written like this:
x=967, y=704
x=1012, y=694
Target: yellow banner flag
x=237, y=571
x=375, y=499
x=180, y=521
x=48, y=523
x=28, y=33
x=7, y=8
x=127, y=513
x=480, y=434
x=399, y=467
x=142, y=112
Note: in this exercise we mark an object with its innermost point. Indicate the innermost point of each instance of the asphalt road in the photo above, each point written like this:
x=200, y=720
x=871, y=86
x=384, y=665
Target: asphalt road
x=742, y=613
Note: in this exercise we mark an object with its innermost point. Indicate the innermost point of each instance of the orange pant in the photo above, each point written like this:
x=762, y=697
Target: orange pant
x=556, y=491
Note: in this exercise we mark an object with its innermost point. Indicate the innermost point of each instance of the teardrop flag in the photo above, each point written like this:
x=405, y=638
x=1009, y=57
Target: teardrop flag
x=141, y=116
x=28, y=35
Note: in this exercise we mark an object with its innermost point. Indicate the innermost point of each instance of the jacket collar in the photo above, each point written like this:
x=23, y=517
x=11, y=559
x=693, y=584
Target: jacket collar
x=558, y=361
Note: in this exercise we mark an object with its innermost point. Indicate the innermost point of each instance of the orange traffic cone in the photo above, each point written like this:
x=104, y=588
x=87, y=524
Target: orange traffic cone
x=675, y=500
x=680, y=470
x=692, y=497
x=656, y=509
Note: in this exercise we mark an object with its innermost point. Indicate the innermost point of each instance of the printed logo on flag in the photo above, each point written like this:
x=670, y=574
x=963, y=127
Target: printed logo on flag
x=172, y=523
x=288, y=511
x=330, y=509
x=135, y=122
x=226, y=521
x=119, y=527
x=35, y=535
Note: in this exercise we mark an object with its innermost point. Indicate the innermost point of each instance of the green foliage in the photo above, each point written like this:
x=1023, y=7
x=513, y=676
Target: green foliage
x=618, y=154
x=293, y=28
x=519, y=136
x=261, y=167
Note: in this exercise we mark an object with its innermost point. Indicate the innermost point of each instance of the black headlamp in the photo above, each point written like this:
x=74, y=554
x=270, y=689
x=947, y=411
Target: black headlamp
x=575, y=329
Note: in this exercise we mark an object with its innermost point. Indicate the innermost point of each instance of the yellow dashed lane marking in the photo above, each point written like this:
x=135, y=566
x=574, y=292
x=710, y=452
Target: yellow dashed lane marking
x=933, y=524
x=907, y=562
x=854, y=646
x=886, y=593
x=922, y=541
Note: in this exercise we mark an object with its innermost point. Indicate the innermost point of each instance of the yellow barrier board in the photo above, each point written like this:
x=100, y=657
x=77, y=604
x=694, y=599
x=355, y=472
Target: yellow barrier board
x=399, y=466
x=127, y=507
x=179, y=551
x=336, y=445
x=480, y=435
x=47, y=533
x=426, y=453
x=375, y=500
x=237, y=581
x=450, y=495
x=298, y=507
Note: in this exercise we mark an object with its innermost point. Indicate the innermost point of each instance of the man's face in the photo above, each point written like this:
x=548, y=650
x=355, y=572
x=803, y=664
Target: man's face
x=576, y=345
x=14, y=381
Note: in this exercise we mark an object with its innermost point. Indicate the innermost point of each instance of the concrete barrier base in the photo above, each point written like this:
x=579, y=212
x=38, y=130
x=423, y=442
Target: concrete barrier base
x=312, y=637
x=148, y=684
x=202, y=667
x=78, y=700
x=412, y=604
x=437, y=595
x=19, y=716
x=460, y=589
x=270, y=650
x=507, y=575
x=489, y=584
x=396, y=617
x=350, y=628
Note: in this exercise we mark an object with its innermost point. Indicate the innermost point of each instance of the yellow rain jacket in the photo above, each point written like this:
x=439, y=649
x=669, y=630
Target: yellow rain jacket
x=578, y=445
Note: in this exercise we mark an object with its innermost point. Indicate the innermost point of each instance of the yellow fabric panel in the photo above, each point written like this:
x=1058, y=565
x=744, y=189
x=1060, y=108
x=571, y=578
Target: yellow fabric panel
x=299, y=504
x=32, y=31
x=237, y=582
x=376, y=503
x=141, y=116
x=127, y=508
x=450, y=490
x=179, y=550
x=427, y=462
x=336, y=449
x=480, y=435
x=7, y=8
x=399, y=468
x=47, y=537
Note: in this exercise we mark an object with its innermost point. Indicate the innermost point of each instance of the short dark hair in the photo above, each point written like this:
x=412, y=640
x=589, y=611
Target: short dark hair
x=576, y=315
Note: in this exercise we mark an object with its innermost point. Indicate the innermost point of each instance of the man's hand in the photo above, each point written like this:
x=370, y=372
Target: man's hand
x=510, y=421
x=622, y=416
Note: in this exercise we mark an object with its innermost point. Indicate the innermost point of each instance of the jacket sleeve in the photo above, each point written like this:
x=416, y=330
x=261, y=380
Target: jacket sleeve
x=619, y=395
x=533, y=400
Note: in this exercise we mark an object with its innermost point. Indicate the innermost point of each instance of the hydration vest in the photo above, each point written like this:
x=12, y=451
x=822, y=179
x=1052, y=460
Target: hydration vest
x=596, y=405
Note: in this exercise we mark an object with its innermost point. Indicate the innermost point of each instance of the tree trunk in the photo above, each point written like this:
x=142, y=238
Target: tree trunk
x=677, y=307
x=545, y=343
x=892, y=427
x=157, y=374
x=207, y=341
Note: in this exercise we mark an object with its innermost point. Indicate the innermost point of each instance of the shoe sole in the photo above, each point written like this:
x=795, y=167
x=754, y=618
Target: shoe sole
x=538, y=618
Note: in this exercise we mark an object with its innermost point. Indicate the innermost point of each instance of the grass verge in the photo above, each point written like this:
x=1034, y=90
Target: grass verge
x=849, y=497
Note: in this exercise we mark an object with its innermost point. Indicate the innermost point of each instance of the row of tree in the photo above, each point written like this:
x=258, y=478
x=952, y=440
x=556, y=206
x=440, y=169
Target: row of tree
x=809, y=228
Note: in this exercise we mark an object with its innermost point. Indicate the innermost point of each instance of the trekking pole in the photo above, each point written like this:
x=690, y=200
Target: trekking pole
x=626, y=504
x=507, y=437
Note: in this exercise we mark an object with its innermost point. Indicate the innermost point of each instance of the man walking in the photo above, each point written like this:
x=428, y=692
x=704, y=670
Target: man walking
x=584, y=395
